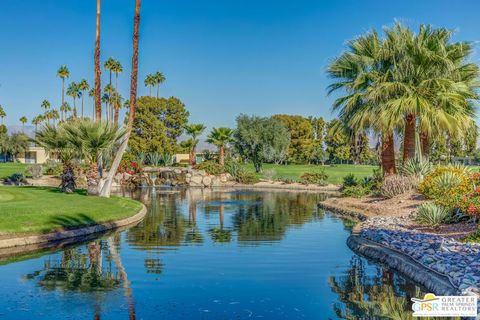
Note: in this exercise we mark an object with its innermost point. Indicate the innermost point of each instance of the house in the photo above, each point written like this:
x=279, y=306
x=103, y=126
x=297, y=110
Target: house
x=34, y=154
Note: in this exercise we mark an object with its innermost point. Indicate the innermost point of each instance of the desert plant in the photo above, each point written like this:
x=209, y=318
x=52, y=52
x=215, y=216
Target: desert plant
x=433, y=214
x=350, y=180
x=319, y=178
x=16, y=178
x=416, y=167
x=35, y=170
x=395, y=185
x=246, y=177
x=233, y=168
x=356, y=191
x=153, y=158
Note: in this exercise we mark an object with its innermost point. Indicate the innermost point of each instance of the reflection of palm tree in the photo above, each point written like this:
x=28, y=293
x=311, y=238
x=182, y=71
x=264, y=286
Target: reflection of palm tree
x=219, y=234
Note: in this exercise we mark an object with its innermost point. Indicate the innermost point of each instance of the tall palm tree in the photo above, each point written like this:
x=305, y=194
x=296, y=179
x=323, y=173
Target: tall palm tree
x=63, y=73
x=83, y=86
x=109, y=65
x=36, y=121
x=117, y=69
x=109, y=91
x=98, y=70
x=133, y=103
x=194, y=130
x=150, y=82
x=221, y=137
x=91, y=93
x=74, y=92
x=64, y=110
x=23, y=120
x=159, y=79
x=3, y=114
x=45, y=105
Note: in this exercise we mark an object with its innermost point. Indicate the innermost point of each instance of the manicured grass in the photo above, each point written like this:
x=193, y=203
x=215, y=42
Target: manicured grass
x=42, y=209
x=9, y=168
x=335, y=173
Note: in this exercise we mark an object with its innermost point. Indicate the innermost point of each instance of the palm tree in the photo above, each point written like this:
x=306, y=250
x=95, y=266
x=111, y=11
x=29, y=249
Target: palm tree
x=221, y=137
x=64, y=109
x=23, y=120
x=108, y=93
x=194, y=130
x=83, y=86
x=63, y=73
x=133, y=103
x=117, y=68
x=45, y=105
x=159, y=79
x=36, y=121
x=3, y=114
x=150, y=82
x=91, y=93
x=74, y=92
x=98, y=70
x=109, y=65
x=53, y=114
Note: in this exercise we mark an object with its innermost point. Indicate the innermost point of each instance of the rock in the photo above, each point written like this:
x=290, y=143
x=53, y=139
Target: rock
x=207, y=181
x=228, y=176
x=177, y=171
x=216, y=182
x=223, y=178
x=196, y=181
x=188, y=175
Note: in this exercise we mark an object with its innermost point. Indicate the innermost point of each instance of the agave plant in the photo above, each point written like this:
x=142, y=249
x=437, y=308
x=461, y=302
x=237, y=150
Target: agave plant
x=430, y=213
x=417, y=167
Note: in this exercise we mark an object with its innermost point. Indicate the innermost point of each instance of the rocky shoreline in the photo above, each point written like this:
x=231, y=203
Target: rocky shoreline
x=442, y=264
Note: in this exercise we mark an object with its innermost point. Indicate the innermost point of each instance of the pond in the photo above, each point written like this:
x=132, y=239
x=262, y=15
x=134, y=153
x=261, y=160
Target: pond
x=203, y=254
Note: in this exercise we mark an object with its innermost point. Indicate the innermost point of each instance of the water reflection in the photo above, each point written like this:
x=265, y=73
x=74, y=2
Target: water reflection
x=195, y=245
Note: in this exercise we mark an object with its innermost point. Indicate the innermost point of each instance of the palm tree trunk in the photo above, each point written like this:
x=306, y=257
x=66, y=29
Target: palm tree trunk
x=117, y=101
x=74, y=107
x=107, y=186
x=388, y=154
x=98, y=70
x=63, y=90
x=150, y=91
x=158, y=89
x=222, y=156
x=425, y=143
x=409, y=137
x=82, y=105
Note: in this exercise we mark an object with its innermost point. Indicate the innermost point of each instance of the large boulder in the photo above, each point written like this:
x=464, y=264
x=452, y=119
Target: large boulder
x=196, y=181
x=216, y=182
x=207, y=181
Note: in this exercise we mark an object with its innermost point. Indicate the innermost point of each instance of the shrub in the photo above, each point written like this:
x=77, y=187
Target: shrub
x=395, y=185
x=53, y=168
x=446, y=185
x=268, y=174
x=129, y=167
x=35, y=170
x=432, y=214
x=17, y=179
x=357, y=191
x=350, y=180
x=319, y=178
x=470, y=203
x=232, y=168
x=287, y=180
x=210, y=167
x=246, y=177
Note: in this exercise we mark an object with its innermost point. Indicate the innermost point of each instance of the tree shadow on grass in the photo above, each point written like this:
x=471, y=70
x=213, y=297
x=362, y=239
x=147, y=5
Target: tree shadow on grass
x=56, y=190
x=68, y=222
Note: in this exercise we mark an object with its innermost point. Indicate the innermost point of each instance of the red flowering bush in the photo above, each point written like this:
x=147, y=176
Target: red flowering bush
x=130, y=167
x=470, y=203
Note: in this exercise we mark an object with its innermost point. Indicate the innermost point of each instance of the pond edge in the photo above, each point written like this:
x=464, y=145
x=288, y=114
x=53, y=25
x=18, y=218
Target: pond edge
x=56, y=236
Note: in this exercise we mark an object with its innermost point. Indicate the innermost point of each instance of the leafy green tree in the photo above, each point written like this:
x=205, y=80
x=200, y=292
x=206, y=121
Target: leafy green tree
x=337, y=141
x=221, y=137
x=301, y=136
x=258, y=139
x=63, y=73
x=158, y=124
x=194, y=130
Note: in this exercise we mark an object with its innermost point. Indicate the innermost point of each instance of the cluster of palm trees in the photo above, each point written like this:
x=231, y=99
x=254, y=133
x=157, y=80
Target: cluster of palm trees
x=154, y=79
x=220, y=137
x=412, y=85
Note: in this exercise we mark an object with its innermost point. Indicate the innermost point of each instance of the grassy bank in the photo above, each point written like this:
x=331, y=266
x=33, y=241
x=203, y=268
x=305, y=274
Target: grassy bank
x=9, y=168
x=41, y=210
x=335, y=173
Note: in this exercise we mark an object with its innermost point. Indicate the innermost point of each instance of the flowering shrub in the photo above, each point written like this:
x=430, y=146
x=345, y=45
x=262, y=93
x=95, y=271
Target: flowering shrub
x=130, y=167
x=446, y=185
x=470, y=203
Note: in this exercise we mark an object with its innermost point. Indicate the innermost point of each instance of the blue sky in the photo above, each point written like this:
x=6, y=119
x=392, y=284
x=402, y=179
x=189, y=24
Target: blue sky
x=220, y=57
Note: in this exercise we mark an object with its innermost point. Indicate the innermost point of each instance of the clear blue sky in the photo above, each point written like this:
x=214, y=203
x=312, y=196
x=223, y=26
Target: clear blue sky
x=220, y=57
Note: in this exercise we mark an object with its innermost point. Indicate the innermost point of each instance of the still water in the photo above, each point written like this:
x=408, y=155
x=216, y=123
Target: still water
x=202, y=254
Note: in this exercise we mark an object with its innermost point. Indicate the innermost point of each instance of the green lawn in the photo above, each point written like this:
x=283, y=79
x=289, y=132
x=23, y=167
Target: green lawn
x=9, y=168
x=42, y=209
x=335, y=173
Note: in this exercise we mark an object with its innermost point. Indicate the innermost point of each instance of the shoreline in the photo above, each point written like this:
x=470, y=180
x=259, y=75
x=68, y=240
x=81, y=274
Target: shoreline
x=52, y=238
